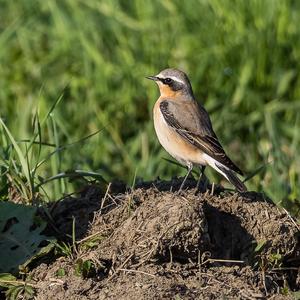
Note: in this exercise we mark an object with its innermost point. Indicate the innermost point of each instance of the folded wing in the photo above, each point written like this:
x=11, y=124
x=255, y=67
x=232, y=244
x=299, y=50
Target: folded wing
x=194, y=125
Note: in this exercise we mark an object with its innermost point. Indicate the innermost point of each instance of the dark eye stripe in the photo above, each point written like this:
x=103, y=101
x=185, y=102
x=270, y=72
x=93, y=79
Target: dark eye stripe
x=167, y=80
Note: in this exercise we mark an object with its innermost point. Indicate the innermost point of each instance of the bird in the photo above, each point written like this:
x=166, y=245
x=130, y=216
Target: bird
x=184, y=128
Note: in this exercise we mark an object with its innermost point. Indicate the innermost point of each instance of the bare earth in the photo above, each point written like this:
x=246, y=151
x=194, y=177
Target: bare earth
x=152, y=243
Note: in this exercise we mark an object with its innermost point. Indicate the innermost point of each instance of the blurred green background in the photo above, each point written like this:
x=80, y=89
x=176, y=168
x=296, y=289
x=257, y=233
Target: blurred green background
x=242, y=58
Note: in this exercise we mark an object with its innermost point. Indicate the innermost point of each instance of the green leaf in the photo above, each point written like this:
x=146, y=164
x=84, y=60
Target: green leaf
x=296, y=295
x=84, y=268
x=20, y=235
x=260, y=245
x=61, y=272
x=13, y=292
x=42, y=252
x=6, y=278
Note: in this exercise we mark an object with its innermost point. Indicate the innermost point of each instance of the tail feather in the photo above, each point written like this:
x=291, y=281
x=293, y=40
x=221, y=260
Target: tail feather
x=229, y=174
x=226, y=172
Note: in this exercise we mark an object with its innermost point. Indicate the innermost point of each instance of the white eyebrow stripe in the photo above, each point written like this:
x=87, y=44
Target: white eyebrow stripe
x=172, y=77
x=176, y=79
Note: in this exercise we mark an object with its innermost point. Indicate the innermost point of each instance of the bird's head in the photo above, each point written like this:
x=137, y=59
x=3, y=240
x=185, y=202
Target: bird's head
x=173, y=83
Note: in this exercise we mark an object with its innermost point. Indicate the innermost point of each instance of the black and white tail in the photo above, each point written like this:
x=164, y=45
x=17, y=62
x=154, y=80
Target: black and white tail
x=233, y=179
x=227, y=173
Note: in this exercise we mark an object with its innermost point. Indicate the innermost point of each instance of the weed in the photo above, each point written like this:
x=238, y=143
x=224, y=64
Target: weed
x=15, y=289
x=85, y=268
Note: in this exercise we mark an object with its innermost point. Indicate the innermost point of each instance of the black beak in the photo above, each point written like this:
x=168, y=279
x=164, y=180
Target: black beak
x=153, y=78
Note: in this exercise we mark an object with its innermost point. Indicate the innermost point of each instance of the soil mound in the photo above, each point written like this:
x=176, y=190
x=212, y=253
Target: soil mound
x=153, y=243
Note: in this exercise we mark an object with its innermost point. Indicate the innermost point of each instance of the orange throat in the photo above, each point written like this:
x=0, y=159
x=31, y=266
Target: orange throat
x=167, y=92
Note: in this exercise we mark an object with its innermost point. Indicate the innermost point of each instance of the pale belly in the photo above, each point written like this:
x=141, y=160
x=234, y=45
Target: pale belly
x=174, y=144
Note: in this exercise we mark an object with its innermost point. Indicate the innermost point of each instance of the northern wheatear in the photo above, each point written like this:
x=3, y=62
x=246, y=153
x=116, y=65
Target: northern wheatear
x=184, y=129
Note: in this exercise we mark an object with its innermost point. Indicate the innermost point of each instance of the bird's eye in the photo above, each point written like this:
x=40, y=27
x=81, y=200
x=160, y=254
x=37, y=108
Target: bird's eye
x=167, y=80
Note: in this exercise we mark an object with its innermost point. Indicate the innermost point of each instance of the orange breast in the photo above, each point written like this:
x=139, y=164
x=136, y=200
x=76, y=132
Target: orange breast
x=174, y=143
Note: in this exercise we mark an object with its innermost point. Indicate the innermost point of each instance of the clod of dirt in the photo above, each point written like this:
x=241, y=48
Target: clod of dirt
x=157, y=244
x=164, y=226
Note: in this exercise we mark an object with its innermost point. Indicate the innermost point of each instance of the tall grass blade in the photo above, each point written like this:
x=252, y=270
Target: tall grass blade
x=21, y=157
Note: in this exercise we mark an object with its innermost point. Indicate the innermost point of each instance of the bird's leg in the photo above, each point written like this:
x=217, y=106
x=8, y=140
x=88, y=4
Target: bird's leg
x=202, y=169
x=190, y=168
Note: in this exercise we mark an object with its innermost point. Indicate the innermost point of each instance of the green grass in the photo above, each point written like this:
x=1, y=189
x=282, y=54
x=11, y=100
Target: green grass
x=242, y=58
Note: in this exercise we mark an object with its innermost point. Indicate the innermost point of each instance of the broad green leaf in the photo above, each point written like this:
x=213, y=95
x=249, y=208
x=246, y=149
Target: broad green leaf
x=20, y=235
x=6, y=278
